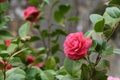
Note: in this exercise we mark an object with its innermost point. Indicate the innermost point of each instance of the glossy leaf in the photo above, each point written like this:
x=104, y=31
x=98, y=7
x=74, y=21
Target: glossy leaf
x=32, y=73
x=55, y=48
x=98, y=22
x=43, y=75
x=98, y=75
x=34, y=2
x=109, y=20
x=3, y=7
x=59, y=15
x=50, y=63
x=114, y=12
x=34, y=38
x=12, y=48
x=4, y=34
x=117, y=51
x=103, y=65
x=71, y=66
x=16, y=74
x=72, y=19
x=23, y=30
x=114, y=2
x=108, y=51
x=4, y=53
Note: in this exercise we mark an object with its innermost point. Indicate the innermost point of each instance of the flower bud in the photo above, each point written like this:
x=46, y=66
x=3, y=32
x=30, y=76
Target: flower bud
x=7, y=42
x=31, y=14
x=30, y=59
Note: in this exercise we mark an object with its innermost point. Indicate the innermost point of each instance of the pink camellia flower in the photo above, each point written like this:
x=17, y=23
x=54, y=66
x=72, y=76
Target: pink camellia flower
x=7, y=42
x=76, y=46
x=2, y=0
x=31, y=14
x=112, y=78
x=39, y=65
x=30, y=59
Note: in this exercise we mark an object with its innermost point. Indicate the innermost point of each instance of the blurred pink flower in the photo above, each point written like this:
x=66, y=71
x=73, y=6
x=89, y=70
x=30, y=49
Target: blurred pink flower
x=112, y=78
x=31, y=14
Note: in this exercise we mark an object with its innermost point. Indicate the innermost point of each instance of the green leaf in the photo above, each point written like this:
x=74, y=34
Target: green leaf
x=94, y=44
x=32, y=72
x=45, y=2
x=4, y=34
x=16, y=74
x=16, y=77
x=103, y=65
x=16, y=61
x=1, y=75
x=85, y=71
x=4, y=7
x=55, y=3
x=44, y=33
x=12, y=48
x=50, y=74
x=108, y=51
x=23, y=31
x=72, y=19
x=59, y=18
x=15, y=71
x=98, y=75
x=1, y=65
x=67, y=77
x=89, y=33
x=2, y=47
x=55, y=48
x=114, y=12
x=62, y=71
x=109, y=20
x=114, y=2
x=64, y=9
x=72, y=66
x=50, y=63
x=98, y=22
x=34, y=38
x=43, y=75
x=59, y=15
x=117, y=51
x=4, y=53
x=58, y=32
x=34, y=2
x=107, y=30
x=41, y=50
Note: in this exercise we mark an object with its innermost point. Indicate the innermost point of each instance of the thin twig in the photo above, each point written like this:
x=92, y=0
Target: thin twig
x=17, y=53
x=114, y=30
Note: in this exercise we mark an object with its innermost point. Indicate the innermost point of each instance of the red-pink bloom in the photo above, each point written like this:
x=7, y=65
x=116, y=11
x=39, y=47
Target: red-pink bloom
x=39, y=65
x=76, y=45
x=7, y=42
x=31, y=14
x=2, y=0
x=112, y=78
x=30, y=59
